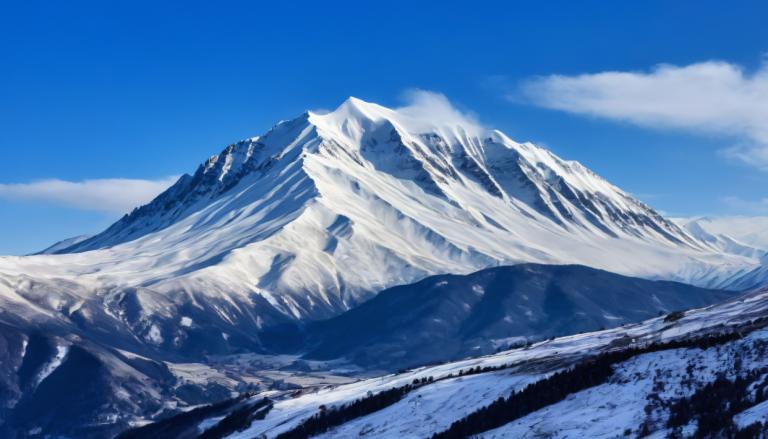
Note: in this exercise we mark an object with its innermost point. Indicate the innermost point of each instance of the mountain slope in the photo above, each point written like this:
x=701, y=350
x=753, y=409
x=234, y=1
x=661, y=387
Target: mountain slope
x=63, y=244
x=185, y=360
x=304, y=223
x=746, y=236
x=450, y=316
x=323, y=211
x=656, y=377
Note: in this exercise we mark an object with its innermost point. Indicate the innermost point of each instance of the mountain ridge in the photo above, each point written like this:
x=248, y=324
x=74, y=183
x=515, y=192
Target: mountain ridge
x=324, y=210
x=358, y=118
x=446, y=317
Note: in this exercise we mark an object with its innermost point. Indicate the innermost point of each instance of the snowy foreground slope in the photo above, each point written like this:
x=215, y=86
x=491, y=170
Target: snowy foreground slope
x=701, y=370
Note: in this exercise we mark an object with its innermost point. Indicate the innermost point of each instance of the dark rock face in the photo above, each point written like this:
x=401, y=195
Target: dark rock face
x=451, y=316
x=59, y=386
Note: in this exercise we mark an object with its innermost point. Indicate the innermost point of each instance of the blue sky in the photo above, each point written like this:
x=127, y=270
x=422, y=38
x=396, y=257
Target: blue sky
x=93, y=91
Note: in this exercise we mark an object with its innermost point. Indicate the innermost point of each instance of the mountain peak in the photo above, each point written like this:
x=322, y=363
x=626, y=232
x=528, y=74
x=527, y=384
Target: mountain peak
x=355, y=108
x=356, y=102
x=325, y=209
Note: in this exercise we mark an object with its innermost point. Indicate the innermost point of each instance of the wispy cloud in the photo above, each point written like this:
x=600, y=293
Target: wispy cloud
x=709, y=97
x=426, y=109
x=113, y=195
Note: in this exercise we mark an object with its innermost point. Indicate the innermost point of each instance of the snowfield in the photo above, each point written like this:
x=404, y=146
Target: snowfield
x=635, y=394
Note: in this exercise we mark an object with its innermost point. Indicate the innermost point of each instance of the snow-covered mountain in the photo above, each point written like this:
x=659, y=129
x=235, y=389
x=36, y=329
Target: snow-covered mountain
x=109, y=379
x=63, y=244
x=305, y=222
x=322, y=211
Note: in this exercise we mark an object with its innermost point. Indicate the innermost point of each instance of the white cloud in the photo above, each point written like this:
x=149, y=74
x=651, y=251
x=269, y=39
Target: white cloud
x=427, y=109
x=709, y=97
x=113, y=195
x=752, y=207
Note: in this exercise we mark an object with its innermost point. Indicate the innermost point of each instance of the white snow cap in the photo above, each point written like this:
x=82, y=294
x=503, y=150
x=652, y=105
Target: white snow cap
x=323, y=211
x=425, y=112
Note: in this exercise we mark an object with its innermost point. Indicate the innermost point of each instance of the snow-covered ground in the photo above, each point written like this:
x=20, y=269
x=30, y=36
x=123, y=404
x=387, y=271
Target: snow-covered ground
x=603, y=411
x=610, y=409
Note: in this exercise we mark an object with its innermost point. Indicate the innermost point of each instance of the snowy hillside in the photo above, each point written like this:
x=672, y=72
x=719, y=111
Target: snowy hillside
x=63, y=244
x=109, y=378
x=658, y=379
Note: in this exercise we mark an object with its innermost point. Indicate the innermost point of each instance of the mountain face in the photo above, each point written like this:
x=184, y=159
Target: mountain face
x=366, y=140
x=51, y=386
x=452, y=316
x=323, y=211
x=300, y=224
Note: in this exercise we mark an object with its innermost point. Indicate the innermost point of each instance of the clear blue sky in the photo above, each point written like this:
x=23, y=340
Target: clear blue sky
x=146, y=90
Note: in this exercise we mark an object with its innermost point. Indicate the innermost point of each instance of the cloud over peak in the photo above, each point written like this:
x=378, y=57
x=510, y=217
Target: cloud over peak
x=710, y=97
x=427, y=109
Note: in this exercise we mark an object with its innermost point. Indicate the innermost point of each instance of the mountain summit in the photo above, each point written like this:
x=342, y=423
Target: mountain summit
x=372, y=149
x=323, y=211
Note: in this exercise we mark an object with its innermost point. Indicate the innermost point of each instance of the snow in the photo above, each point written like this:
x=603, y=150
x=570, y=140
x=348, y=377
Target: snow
x=323, y=211
x=757, y=413
x=63, y=244
x=208, y=423
x=199, y=373
x=414, y=413
x=154, y=335
x=51, y=366
x=433, y=408
x=603, y=411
